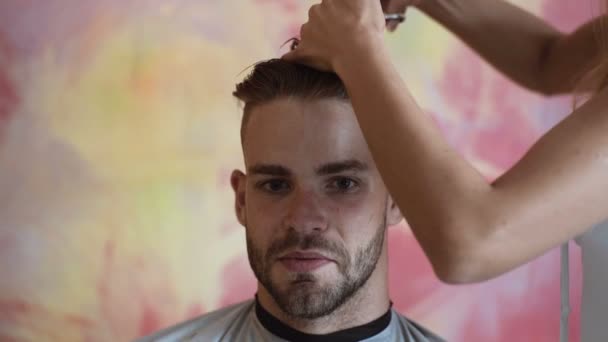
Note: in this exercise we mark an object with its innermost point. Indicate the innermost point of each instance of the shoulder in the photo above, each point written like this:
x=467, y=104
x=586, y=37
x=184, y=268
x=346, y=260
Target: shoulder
x=415, y=331
x=214, y=323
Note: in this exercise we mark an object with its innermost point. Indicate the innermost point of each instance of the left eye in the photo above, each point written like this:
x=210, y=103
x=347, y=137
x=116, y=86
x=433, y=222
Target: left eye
x=343, y=184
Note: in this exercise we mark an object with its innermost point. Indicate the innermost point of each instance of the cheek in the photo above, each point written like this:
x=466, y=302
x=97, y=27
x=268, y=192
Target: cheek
x=357, y=210
x=347, y=205
x=258, y=200
x=357, y=220
x=257, y=243
x=264, y=217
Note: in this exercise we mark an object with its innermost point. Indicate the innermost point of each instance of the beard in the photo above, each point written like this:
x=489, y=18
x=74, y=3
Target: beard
x=303, y=297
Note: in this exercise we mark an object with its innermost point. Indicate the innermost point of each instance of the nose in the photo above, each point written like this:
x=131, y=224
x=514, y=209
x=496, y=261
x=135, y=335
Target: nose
x=305, y=213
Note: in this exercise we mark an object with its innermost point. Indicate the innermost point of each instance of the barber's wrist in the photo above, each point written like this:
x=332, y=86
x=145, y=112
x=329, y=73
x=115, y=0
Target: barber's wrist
x=349, y=64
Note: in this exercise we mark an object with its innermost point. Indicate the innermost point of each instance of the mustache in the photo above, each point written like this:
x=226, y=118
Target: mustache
x=294, y=240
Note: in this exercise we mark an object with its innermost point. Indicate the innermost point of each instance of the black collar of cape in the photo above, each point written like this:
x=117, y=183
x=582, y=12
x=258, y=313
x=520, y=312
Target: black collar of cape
x=288, y=333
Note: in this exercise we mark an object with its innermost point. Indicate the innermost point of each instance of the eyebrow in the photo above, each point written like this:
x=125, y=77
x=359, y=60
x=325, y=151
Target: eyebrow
x=325, y=169
x=269, y=169
x=341, y=166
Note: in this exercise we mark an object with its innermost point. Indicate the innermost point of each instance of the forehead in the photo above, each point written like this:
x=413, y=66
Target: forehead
x=302, y=133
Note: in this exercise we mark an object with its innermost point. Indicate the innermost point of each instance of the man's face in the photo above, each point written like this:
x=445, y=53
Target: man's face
x=313, y=204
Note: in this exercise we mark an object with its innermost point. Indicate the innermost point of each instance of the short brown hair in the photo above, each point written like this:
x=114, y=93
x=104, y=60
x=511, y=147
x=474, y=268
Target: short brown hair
x=276, y=78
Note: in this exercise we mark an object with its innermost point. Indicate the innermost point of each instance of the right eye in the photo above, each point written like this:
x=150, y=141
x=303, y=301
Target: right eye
x=274, y=186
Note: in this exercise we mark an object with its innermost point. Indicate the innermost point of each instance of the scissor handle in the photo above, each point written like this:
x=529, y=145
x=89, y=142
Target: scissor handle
x=400, y=17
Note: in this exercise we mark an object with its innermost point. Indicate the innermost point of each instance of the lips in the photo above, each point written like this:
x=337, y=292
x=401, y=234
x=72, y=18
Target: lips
x=305, y=255
x=304, y=261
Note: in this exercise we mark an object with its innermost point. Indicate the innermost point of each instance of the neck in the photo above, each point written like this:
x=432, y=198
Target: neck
x=367, y=304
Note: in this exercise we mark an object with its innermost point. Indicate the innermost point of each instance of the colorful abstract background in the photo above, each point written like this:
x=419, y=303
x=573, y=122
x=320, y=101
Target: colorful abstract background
x=118, y=133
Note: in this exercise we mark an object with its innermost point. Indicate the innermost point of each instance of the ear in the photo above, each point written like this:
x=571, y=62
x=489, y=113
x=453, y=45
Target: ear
x=238, y=181
x=393, y=213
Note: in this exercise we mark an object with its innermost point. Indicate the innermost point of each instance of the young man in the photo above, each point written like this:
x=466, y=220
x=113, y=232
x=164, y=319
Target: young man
x=315, y=212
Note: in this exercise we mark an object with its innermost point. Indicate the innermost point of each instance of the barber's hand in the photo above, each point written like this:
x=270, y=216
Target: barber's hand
x=338, y=28
x=397, y=7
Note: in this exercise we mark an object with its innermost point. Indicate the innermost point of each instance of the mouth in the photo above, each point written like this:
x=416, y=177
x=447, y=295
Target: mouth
x=304, y=261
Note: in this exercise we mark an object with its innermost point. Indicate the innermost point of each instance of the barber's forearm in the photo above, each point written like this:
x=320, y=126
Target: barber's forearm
x=513, y=40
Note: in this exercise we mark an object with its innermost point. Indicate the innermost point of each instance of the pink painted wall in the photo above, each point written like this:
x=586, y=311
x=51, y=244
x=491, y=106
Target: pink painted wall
x=117, y=136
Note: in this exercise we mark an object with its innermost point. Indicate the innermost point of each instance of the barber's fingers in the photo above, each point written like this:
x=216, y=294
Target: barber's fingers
x=301, y=54
x=394, y=7
x=292, y=56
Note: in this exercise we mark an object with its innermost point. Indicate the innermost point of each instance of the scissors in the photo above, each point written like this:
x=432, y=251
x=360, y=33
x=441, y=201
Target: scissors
x=400, y=17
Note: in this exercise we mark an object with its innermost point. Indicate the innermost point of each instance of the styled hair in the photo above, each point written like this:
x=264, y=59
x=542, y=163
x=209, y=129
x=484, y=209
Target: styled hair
x=276, y=78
